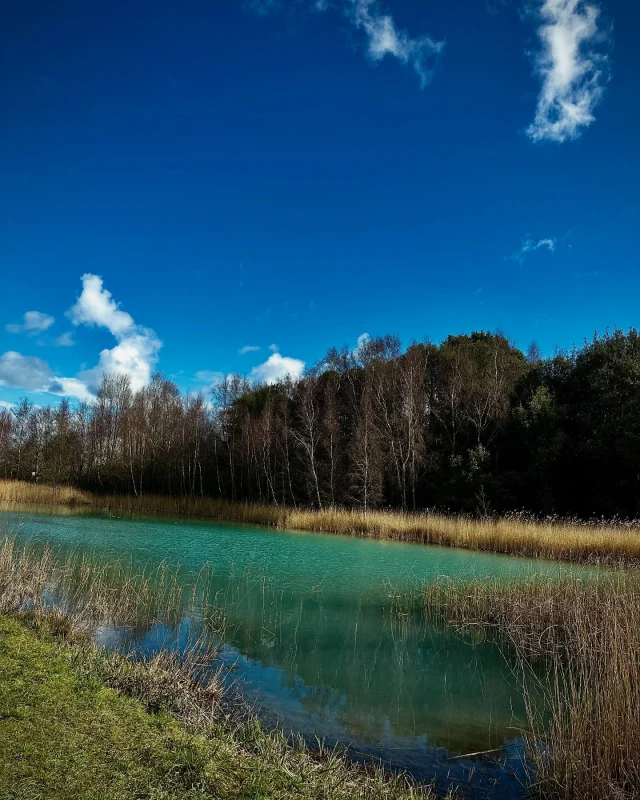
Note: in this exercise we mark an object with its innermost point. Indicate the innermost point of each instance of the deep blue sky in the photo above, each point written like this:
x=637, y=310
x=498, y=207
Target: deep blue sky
x=254, y=176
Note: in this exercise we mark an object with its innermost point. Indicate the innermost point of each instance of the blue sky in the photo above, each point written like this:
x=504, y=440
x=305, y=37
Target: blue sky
x=290, y=175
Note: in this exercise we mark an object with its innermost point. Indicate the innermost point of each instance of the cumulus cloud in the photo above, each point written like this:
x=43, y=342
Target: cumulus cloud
x=96, y=306
x=572, y=69
x=277, y=367
x=136, y=353
x=529, y=246
x=35, y=375
x=248, y=348
x=71, y=387
x=24, y=372
x=5, y=404
x=385, y=38
x=34, y=322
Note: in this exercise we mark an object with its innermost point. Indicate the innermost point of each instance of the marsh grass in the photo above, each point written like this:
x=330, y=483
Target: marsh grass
x=596, y=541
x=42, y=494
x=36, y=579
x=585, y=634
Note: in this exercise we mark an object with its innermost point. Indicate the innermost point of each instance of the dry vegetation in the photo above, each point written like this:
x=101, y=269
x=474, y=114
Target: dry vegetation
x=583, y=740
x=43, y=494
x=597, y=541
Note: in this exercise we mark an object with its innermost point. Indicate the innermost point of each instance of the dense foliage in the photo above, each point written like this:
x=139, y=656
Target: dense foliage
x=471, y=424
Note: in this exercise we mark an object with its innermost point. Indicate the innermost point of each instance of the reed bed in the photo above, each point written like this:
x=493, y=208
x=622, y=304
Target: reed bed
x=83, y=594
x=595, y=541
x=43, y=494
x=578, y=644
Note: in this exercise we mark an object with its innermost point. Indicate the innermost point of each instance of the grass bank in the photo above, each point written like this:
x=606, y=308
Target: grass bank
x=81, y=722
x=583, y=739
x=614, y=542
x=66, y=733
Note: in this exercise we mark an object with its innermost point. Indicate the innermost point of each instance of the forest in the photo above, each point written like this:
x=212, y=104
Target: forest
x=472, y=424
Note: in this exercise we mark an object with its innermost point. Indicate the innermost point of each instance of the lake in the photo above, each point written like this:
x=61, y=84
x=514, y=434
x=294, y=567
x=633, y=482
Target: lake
x=316, y=641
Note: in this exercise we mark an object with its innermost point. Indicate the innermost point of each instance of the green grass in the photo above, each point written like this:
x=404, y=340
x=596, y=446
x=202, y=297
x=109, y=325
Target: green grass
x=63, y=737
x=64, y=734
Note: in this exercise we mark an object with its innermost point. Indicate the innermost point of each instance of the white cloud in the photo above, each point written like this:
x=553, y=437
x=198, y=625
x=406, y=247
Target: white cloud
x=363, y=339
x=211, y=377
x=35, y=375
x=384, y=38
x=529, y=246
x=136, y=353
x=24, y=372
x=6, y=404
x=71, y=387
x=248, y=348
x=382, y=35
x=273, y=347
x=277, y=367
x=573, y=72
x=64, y=340
x=96, y=306
x=34, y=322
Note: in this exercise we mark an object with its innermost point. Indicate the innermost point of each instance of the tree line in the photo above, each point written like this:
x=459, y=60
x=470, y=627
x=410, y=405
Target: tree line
x=472, y=424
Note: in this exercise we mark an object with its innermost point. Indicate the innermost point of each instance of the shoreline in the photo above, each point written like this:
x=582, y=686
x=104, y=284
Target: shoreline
x=599, y=542
x=141, y=729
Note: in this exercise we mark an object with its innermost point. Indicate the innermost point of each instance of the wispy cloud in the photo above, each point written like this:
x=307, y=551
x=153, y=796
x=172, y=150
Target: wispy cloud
x=136, y=353
x=34, y=322
x=277, y=367
x=572, y=69
x=249, y=348
x=529, y=246
x=493, y=6
x=385, y=38
x=274, y=348
x=210, y=377
x=64, y=340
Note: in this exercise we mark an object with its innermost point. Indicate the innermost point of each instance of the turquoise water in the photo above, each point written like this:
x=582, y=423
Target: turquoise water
x=315, y=638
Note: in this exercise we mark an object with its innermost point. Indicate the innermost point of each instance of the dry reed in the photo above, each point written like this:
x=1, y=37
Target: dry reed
x=578, y=643
x=597, y=541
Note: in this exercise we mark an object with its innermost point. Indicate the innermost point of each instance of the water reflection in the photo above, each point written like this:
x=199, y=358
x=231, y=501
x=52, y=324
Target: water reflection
x=316, y=641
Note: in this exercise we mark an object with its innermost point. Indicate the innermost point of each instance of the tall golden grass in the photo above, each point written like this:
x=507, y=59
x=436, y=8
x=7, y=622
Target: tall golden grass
x=567, y=540
x=578, y=643
x=43, y=494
